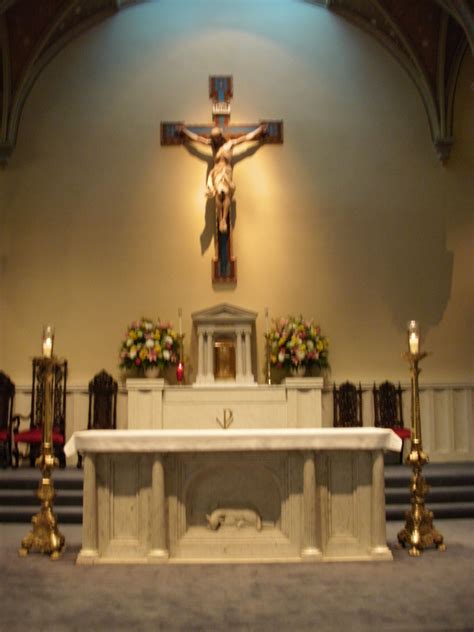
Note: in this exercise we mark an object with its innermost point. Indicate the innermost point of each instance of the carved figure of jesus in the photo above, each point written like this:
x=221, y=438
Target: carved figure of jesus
x=220, y=184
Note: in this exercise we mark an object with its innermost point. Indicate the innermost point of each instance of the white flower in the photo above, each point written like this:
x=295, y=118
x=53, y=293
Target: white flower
x=168, y=340
x=166, y=354
x=300, y=354
x=129, y=342
x=310, y=345
x=281, y=356
x=148, y=326
x=150, y=343
x=132, y=354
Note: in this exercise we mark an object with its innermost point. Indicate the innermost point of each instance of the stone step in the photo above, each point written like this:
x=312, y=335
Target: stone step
x=18, y=497
x=461, y=493
x=29, y=478
x=451, y=493
x=440, y=510
x=436, y=474
x=24, y=513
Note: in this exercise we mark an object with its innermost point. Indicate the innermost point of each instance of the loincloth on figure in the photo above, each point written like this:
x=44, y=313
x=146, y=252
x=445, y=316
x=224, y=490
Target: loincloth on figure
x=220, y=181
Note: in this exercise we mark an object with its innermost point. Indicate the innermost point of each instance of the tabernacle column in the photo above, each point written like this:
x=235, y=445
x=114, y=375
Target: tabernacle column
x=159, y=551
x=238, y=357
x=200, y=354
x=210, y=355
x=248, y=357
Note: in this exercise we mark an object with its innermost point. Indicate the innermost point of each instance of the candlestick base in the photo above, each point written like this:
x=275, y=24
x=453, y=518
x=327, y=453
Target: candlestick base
x=45, y=536
x=419, y=532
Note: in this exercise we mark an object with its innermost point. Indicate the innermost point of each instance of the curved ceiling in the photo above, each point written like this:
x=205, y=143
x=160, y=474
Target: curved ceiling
x=428, y=37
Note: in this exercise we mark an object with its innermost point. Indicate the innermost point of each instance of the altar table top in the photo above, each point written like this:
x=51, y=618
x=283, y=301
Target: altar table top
x=232, y=440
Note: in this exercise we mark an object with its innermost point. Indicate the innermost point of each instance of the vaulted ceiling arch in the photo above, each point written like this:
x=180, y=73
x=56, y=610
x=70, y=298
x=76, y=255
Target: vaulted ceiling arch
x=31, y=34
x=428, y=37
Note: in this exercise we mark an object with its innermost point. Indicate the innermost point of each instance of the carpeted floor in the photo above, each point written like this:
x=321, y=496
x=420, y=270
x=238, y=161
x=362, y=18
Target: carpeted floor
x=430, y=593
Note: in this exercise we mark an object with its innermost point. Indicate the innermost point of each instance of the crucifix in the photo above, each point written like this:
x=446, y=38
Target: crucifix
x=221, y=137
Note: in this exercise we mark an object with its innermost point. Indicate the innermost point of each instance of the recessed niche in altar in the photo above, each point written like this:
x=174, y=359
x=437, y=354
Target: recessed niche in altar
x=226, y=342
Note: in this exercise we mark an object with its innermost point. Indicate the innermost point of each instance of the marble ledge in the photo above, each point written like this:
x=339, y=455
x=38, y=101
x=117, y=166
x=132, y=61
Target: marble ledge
x=289, y=383
x=271, y=439
x=82, y=387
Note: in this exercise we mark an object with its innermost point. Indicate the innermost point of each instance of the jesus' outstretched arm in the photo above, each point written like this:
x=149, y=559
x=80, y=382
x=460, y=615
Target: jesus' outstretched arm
x=194, y=137
x=256, y=134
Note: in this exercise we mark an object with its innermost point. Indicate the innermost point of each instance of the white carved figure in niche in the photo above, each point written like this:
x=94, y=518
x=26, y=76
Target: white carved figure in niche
x=220, y=184
x=234, y=517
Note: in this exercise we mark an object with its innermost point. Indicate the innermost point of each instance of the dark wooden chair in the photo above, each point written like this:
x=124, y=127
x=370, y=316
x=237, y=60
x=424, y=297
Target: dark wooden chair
x=102, y=405
x=388, y=410
x=32, y=437
x=347, y=401
x=7, y=396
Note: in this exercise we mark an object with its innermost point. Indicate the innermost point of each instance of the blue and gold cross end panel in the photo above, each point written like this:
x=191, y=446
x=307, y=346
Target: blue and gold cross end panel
x=221, y=88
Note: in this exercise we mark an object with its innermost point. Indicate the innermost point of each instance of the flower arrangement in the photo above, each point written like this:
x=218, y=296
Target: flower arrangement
x=148, y=344
x=295, y=342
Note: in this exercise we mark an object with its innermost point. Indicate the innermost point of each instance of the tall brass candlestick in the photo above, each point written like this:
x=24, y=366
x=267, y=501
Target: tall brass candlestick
x=268, y=367
x=45, y=535
x=268, y=359
x=419, y=531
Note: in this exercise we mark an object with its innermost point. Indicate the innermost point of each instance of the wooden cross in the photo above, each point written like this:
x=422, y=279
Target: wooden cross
x=221, y=92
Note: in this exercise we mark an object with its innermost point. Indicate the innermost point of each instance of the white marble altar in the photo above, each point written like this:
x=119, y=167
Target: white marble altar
x=233, y=495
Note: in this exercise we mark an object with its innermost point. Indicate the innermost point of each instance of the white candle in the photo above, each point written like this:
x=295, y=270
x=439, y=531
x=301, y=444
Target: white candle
x=180, y=312
x=414, y=343
x=48, y=340
x=47, y=347
x=413, y=337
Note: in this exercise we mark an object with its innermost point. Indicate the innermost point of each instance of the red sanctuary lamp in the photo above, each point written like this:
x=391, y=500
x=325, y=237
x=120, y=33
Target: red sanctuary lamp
x=180, y=372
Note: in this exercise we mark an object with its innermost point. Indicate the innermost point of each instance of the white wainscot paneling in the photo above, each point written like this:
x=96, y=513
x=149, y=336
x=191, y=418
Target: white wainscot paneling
x=447, y=419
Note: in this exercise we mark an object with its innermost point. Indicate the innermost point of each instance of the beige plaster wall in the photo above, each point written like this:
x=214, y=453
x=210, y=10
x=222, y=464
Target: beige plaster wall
x=352, y=221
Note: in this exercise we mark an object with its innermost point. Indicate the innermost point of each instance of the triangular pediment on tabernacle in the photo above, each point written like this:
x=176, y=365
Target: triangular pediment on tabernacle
x=224, y=313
